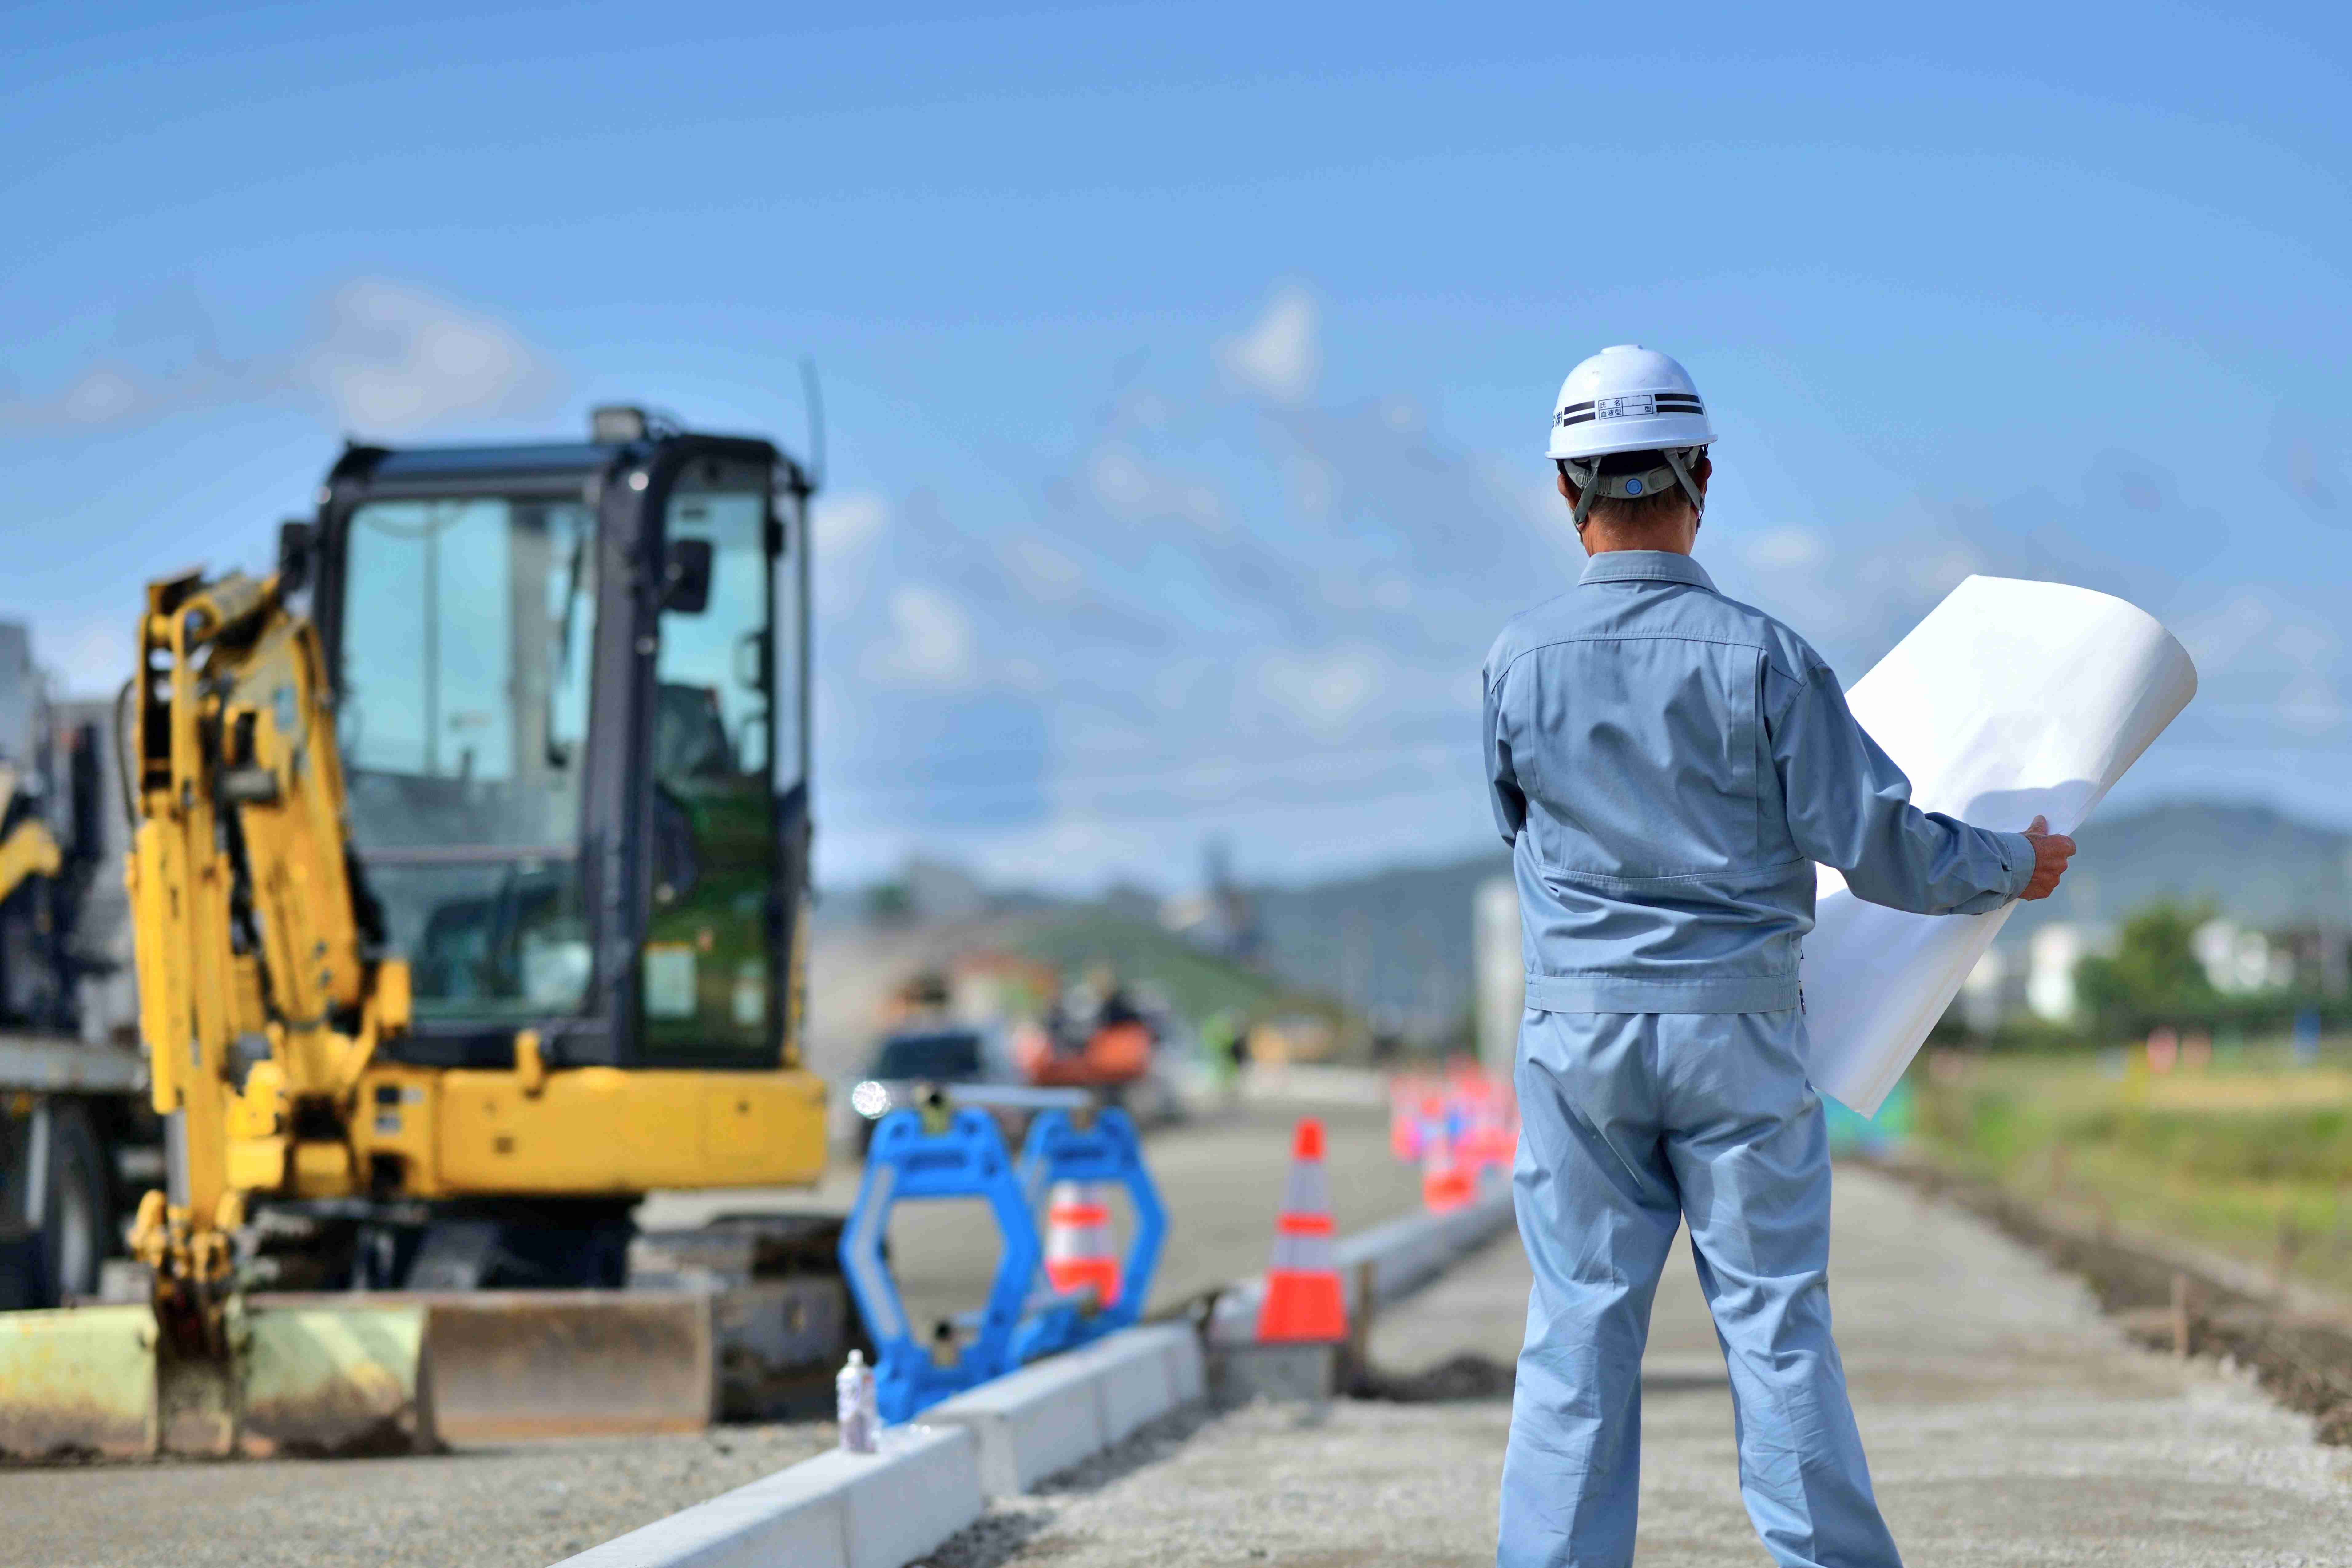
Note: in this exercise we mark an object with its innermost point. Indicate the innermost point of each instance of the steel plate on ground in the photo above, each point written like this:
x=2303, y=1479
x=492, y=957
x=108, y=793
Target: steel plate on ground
x=544, y=1364
x=504, y=1365
x=77, y=1381
x=337, y=1378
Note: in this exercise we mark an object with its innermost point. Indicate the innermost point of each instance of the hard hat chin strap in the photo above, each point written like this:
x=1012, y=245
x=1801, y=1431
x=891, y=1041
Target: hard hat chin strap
x=1591, y=484
x=1681, y=477
x=1586, y=489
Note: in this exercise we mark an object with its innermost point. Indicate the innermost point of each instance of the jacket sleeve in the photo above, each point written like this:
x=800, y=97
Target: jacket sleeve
x=1503, y=790
x=1849, y=806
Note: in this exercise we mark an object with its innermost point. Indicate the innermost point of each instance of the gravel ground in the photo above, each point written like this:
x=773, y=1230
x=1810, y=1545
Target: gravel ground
x=2007, y=1423
x=527, y=1505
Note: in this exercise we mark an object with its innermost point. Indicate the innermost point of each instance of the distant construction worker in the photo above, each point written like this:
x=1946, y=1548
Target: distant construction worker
x=1668, y=765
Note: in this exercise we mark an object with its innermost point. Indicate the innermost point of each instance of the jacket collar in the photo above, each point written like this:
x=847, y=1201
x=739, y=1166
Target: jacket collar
x=1652, y=565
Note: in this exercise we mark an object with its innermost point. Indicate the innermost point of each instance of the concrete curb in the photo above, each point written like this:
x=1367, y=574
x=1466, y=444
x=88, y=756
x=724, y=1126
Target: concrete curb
x=1042, y=1419
x=837, y=1511
x=931, y=1480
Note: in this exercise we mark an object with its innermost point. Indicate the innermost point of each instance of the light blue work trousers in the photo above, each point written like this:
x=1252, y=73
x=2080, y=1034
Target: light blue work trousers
x=1631, y=1122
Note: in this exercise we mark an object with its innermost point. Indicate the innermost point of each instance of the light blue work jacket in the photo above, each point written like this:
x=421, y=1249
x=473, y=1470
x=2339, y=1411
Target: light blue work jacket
x=1667, y=765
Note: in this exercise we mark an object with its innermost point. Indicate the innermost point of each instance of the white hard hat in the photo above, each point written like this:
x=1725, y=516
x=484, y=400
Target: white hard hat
x=1628, y=398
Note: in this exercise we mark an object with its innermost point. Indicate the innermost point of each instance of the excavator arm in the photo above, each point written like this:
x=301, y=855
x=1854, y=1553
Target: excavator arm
x=246, y=928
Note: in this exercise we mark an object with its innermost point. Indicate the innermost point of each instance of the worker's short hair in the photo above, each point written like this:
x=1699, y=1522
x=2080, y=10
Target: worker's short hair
x=1633, y=512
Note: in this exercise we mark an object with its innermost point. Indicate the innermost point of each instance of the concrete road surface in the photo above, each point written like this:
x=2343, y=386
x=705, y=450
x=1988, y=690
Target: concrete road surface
x=2006, y=1424
x=527, y=1505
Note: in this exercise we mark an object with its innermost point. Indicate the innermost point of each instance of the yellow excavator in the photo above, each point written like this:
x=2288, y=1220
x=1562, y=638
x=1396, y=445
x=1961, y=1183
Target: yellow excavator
x=468, y=889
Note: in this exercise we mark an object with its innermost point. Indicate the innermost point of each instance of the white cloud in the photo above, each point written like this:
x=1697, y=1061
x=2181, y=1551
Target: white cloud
x=1312, y=485
x=89, y=659
x=394, y=358
x=1278, y=356
x=1786, y=550
x=845, y=524
x=2310, y=705
x=1173, y=684
x=101, y=396
x=2216, y=638
x=932, y=642
x=388, y=358
x=844, y=529
x=1133, y=490
x=1049, y=575
x=1324, y=690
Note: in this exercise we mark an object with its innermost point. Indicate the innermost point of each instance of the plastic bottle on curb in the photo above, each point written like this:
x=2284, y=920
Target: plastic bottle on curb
x=854, y=1406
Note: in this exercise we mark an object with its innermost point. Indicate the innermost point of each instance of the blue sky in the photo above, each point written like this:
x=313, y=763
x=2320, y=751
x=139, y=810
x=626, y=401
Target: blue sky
x=1187, y=367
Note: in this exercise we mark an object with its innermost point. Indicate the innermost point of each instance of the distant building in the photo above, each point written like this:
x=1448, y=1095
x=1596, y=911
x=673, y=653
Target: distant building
x=1222, y=917
x=1994, y=989
x=1502, y=978
x=2050, y=959
x=2239, y=959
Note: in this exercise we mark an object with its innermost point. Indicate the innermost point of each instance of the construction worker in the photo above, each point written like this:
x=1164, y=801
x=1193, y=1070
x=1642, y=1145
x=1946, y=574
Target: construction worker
x=1668, y=765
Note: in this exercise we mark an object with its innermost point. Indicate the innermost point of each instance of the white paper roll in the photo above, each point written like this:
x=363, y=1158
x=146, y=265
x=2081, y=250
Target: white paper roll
x=2012, y=699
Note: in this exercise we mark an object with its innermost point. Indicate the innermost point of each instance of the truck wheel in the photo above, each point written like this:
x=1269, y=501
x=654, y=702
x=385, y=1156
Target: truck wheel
x=77, y=1228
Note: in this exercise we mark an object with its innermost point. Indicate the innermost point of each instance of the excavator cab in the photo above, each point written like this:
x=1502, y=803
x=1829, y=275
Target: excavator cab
x=570, y=693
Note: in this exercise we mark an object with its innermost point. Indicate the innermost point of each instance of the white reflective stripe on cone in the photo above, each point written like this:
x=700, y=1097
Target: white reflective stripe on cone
x=1309, y=1190
x=1086, y=1236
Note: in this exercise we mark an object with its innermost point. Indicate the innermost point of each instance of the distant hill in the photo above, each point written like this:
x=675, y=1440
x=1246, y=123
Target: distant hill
x=1400, y=939
x=1198, y=984
x=1394, y=943
x=2254, y=864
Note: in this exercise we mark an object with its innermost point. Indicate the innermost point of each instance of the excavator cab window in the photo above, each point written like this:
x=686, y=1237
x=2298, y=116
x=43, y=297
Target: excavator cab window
x=706, y=982
x=463, y=711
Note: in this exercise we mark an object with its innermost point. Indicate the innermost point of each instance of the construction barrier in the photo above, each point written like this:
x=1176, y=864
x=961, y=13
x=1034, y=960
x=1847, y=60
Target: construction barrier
x=918, y=1158
x=1461, y=1126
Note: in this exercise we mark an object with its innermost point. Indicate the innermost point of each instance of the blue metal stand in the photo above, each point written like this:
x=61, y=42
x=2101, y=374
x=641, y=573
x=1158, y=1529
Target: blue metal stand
x=965, y=1159
x=1107, y=1150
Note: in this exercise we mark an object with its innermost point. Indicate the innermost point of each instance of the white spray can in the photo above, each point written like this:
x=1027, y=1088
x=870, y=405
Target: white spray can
x=852, y=1404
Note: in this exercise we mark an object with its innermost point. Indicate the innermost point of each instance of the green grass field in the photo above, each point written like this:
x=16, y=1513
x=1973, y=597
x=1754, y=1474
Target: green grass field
x=2247, y=1155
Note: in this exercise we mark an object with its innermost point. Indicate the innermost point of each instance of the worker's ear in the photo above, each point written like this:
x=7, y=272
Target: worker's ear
x=1567, y=491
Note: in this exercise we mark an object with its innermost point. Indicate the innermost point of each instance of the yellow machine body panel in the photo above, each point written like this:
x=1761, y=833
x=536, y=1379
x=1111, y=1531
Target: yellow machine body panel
x=459, y=1131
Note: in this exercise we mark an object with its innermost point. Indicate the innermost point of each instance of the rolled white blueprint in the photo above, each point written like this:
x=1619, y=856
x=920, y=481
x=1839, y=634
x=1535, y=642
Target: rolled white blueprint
x=2012, y=699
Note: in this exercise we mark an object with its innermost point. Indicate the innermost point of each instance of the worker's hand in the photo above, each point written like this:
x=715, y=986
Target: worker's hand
x=2051, y=853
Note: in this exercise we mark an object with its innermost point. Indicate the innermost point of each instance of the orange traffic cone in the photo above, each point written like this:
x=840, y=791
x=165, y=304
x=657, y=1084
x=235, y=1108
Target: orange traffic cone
x=1447, y=1181
x=1303, y=1297
x=1079, y=1255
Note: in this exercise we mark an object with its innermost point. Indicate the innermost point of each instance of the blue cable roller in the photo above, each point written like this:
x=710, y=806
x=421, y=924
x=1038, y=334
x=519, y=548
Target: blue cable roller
x=962, y=1158
x=1107, y=1148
